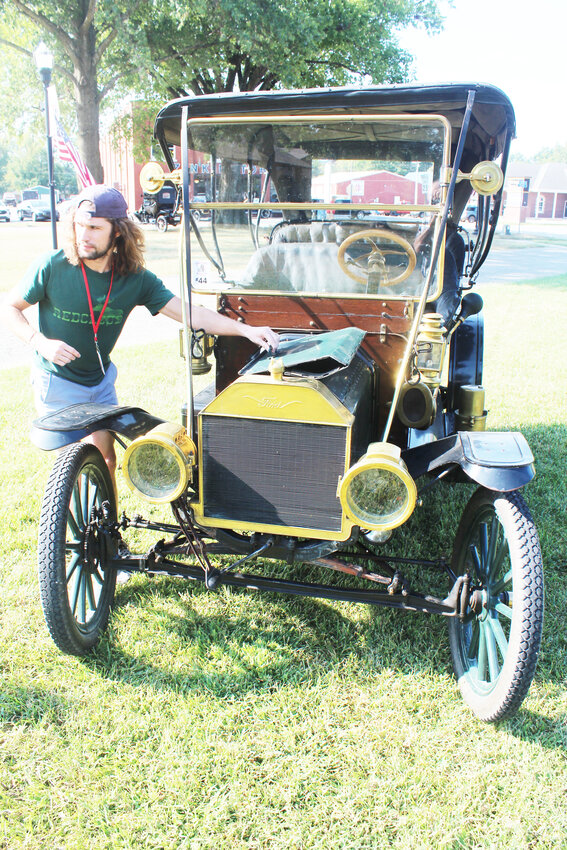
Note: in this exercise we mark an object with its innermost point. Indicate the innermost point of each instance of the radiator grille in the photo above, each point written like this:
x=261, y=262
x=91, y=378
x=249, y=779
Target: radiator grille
x=271, y=472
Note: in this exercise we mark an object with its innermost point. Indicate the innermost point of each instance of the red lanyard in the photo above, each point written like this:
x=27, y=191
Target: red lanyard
x=96, y=324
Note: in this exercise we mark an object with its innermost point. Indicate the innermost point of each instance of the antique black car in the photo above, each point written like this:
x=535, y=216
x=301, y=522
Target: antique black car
x=316, y=453
x=160, y=206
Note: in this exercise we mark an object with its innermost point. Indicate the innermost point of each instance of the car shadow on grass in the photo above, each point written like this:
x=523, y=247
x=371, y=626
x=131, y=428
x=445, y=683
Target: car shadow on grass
x=548, y=732
x=166, y=633
x=308, y=630
x=232, y=641
x=239, y=645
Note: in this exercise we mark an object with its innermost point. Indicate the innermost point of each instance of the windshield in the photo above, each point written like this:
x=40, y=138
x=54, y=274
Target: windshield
x=316, y=205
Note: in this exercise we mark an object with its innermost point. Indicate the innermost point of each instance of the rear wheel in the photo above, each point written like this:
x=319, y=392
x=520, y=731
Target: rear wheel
x=495, y=645
x=161, y=223
x=76, y=545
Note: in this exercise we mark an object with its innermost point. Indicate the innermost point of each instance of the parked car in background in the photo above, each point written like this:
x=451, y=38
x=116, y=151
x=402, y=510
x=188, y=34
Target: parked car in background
x=160, y=203
x=199, y=214
x=9, y=199
x=4, y=213
x=470, y=214
x=346, y=211
x=35, y=209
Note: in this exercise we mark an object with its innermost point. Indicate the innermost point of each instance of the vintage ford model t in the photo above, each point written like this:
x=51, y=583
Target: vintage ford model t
x=331, y=216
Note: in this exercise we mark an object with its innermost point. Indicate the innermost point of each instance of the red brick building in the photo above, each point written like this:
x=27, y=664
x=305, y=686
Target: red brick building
x=382, y=187
x=536, y=190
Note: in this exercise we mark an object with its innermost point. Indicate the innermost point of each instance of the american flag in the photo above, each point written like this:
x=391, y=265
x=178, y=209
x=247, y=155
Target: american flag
x=65, y=148
x=68, y=153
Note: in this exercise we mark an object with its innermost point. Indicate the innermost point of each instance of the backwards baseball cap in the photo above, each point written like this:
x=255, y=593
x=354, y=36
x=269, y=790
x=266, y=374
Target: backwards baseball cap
x=102, y=202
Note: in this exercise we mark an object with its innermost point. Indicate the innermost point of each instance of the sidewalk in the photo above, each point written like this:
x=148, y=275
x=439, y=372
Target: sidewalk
x=534, y=227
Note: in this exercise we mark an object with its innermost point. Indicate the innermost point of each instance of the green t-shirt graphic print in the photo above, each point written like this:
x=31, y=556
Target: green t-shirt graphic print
x=59, y=290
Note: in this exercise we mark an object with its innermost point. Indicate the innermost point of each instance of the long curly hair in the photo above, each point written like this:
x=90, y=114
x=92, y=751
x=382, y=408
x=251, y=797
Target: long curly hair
x=128, y=247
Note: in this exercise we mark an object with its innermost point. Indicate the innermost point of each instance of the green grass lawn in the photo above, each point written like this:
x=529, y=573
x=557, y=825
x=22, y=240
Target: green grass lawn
x=234, y=720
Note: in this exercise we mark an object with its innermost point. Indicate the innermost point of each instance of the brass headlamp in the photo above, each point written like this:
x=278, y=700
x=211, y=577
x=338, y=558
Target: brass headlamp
x=202, y=344
x=378, y=493
x=159, y=465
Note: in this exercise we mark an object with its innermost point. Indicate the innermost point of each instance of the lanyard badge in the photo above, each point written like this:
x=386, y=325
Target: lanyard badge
x=96, y=324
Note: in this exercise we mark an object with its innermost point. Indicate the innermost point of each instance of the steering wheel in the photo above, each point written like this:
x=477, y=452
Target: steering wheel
x=371, y=265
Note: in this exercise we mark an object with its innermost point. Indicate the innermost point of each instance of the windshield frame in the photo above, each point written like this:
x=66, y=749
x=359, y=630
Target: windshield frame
x=434, y=210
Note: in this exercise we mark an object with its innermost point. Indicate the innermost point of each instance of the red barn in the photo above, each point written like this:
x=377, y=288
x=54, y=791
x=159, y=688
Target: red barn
x=380, y=187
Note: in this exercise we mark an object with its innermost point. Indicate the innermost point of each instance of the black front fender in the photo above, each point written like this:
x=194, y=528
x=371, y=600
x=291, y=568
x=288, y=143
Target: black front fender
x=74, y=423
x=497, y=460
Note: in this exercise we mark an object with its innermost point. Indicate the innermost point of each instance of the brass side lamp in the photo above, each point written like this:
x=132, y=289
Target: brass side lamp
x=431, y=344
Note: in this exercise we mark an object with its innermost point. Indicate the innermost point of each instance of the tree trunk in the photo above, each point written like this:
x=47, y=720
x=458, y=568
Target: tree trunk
x=87, y=96
x=88, y=122
x=79, y=44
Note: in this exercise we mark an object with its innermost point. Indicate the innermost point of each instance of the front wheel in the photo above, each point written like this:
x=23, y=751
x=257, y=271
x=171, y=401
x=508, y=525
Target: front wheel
x=76, y=544
x=161, y=223
x=495, y=643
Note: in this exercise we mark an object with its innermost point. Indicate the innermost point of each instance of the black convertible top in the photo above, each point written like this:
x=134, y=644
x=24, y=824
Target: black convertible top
x=491, y=128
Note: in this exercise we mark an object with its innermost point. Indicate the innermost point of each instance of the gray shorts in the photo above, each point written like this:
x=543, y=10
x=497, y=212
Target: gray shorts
x=52, y=393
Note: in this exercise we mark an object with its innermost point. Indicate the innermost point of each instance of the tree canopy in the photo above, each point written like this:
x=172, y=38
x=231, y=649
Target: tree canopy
x=94, y=43
x=223, y=45
x=557, y=153
x=30, y=167
x=168, y=48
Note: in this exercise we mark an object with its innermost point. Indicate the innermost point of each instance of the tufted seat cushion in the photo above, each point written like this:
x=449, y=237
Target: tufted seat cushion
x=302, y=257
x=298, y=267
x=315, y=231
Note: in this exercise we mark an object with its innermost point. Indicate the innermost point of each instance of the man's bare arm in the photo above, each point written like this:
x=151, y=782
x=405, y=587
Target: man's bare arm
x=217, y=324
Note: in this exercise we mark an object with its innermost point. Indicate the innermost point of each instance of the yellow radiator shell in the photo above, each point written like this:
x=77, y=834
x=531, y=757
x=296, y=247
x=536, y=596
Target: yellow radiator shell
x=304, y=400
x=291, y=400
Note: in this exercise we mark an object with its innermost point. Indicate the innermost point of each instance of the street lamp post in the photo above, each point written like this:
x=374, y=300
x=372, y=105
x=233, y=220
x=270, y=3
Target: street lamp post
x=44, y=62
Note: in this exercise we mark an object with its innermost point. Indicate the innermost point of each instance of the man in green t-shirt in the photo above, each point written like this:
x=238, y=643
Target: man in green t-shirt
x=84, y=294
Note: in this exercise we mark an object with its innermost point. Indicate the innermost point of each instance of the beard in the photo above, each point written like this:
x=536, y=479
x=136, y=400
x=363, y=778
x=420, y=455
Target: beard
x=95, y=253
